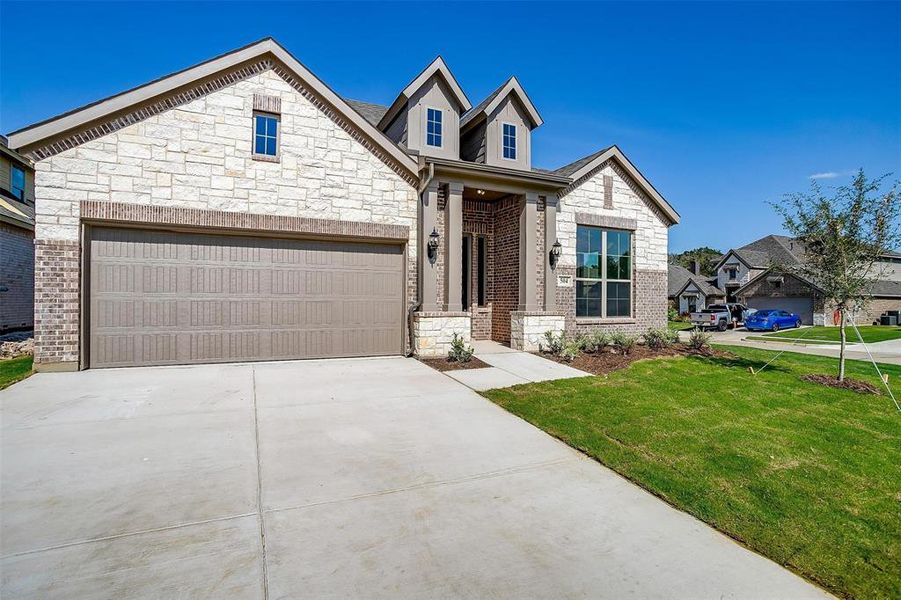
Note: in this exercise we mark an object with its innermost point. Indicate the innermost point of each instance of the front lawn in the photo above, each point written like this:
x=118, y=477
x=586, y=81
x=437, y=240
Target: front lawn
x=679, y=325
x=14, y=369
x=807, y=475
x=870, y=333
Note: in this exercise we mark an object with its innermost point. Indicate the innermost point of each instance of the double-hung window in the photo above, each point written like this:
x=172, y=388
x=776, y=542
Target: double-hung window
x=433, y=127
x=17, y=181
x=603, y=272
x=509, y=141
x=265, y=135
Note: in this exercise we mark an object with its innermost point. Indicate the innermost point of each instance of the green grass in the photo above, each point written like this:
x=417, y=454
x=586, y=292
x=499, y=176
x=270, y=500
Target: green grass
x=679, y=325
x=870, y=333
x=807, y=475
x=13, y=370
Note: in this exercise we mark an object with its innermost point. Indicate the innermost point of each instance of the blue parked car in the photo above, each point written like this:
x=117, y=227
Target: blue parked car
x=771, y=320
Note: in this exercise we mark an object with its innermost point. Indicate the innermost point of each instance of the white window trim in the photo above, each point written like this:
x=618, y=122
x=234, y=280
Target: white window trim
x=425, y=130
x=515, y=138
x=278, y=137
x=604, y=280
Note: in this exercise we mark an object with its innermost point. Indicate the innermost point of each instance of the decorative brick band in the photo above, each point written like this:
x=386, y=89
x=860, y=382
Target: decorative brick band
x=207, y=87
x=583, y=218
x=219, y=219
x=270, y=104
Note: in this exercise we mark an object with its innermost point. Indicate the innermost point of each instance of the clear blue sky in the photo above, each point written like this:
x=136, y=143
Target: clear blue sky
x=722, y=106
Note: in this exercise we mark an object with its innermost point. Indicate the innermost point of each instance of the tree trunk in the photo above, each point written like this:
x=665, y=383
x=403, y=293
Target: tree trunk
x=841, y=353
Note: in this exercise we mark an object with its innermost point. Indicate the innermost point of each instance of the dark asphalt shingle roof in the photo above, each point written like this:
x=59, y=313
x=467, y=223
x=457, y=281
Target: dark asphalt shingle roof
x=677, y=276
x=568, y=170
x=371, y=112
x=470, y=114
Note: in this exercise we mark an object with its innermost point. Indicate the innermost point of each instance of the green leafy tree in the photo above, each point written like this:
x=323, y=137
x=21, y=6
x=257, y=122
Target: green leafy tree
x=706, y=257
x=844, y=234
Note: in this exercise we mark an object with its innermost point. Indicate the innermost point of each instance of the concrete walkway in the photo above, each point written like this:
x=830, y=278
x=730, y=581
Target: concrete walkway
x=510, y=367
x=377, y=478
x=883, y=352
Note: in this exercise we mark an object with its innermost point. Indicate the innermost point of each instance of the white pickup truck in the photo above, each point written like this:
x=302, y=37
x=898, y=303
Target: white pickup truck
x=720, y=316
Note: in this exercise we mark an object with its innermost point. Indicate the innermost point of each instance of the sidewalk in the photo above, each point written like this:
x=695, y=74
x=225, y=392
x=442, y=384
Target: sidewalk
x=510, y=367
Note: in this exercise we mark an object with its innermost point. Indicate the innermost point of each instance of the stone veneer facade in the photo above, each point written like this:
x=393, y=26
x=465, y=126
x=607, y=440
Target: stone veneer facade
x=197, y=155
x=434, y=332
x=527, y=329
x=192, y=152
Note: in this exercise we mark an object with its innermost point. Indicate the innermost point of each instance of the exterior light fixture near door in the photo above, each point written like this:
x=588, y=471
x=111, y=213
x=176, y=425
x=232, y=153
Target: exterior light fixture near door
x=480, y=192
x=433, y=243
x=556, y=249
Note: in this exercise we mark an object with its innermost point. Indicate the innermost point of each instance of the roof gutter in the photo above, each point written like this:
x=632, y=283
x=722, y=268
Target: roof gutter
x=515, y=176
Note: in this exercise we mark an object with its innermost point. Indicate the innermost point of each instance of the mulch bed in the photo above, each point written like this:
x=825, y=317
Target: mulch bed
x=609, y=360
x=442, y=364
x=855, y=385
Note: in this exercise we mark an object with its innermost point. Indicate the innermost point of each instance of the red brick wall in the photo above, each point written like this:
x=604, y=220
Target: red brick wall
x=16, y=277
x=478, y=221
x=506, y=266
x=56, y=293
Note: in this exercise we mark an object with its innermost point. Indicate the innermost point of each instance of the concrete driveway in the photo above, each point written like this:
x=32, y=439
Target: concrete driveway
x=342, y=478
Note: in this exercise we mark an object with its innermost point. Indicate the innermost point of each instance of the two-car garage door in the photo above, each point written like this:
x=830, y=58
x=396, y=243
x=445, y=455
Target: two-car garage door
x=160, y=297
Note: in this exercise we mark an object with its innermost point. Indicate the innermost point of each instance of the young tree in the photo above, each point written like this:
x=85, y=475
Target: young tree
x=844, y=235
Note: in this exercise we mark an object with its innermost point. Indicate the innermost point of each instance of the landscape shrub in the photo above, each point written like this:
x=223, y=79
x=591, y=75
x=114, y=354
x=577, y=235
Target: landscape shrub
x=571, y=349
x=699, y=341
x=658, y=339
x=553, y=343
x=594, y=341
x=459, y=351
x=623, y=342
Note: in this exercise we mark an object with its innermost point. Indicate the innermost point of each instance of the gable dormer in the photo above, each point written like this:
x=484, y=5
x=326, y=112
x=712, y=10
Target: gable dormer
x=425, y=117
x=498, y=131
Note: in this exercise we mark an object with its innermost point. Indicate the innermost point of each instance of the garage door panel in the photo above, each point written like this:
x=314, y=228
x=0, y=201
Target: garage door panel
x=174, y=298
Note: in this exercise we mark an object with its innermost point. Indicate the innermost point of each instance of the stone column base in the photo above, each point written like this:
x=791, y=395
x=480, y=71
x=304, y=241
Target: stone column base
x=527, y=328
x=434, y=331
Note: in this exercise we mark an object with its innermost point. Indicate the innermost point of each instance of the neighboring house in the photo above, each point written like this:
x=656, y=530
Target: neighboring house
x=689, y=291
x=759, y=275
x=16, y=240
x=241, y=210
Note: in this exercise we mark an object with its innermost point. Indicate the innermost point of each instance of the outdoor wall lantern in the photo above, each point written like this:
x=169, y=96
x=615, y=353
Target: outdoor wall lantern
x=433, y=243
x=555, y=252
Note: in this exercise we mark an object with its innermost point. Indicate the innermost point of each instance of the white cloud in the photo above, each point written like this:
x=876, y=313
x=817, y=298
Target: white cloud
x=826, y=175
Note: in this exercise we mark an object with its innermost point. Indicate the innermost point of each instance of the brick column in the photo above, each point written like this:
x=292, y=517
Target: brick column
x=528, y=248
x=428, y=271
x=453, y=245
x=550, y=236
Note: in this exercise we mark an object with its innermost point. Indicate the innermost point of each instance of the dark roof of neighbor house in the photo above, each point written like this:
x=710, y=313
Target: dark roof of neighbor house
x=371, y=112
x=678, y=277
x=886, y=288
